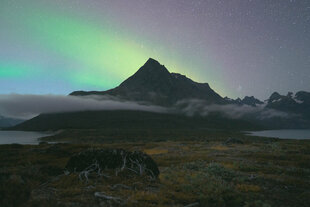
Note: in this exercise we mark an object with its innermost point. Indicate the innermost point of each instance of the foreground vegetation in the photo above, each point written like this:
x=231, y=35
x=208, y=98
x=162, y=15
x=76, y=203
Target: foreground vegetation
x=207, y=171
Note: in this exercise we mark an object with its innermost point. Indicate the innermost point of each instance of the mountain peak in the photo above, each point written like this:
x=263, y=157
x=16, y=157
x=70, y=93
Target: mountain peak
x=251, y=100
x=303, y=96
x=274, y=96
x=152, y=66
x=151, y=73
x=153, y=83
x=152, y=61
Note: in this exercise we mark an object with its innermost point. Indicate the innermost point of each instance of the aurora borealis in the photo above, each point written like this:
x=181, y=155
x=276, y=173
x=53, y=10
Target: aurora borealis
x=239, y=47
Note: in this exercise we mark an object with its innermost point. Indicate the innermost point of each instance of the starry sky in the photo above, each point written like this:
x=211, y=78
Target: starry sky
x=240, y=47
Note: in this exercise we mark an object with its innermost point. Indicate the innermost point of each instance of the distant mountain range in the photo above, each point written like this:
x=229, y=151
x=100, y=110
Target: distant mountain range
x=248, y=100
x=298, y=103
x=9, y=122
x=153, y=84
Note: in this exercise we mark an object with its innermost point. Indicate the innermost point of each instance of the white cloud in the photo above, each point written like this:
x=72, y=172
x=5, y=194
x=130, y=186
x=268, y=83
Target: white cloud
x=28, y=106
x=234, y=111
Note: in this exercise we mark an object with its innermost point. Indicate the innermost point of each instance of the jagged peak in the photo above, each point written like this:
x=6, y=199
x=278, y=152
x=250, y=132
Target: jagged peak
x=152, y=65
x=250, y=98
x=275, y=96
x=152, y=61
x=302, y=95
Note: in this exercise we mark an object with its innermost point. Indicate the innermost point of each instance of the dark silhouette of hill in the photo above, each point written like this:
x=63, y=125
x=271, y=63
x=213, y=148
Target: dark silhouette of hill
x=123, y=119
x=153, y=83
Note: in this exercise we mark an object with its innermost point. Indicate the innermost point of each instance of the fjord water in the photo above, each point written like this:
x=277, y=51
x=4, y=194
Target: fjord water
x=21, y=137
x=284, y=133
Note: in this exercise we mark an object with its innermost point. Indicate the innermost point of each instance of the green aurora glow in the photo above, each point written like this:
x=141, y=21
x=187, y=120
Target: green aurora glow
x=102, y=54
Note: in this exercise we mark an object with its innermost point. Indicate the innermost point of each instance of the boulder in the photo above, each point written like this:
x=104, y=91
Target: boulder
x=99, y=160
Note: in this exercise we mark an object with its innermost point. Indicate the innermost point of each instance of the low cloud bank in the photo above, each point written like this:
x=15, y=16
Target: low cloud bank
x=28, y=106
x=199, y=107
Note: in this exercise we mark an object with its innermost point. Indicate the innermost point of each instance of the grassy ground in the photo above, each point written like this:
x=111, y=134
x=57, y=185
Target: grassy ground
x=260, y=172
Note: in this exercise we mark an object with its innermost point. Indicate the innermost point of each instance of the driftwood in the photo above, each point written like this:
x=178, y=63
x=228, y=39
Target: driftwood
x=107, y=197
x=120, y=186
x=192, y=204
x=97, y=161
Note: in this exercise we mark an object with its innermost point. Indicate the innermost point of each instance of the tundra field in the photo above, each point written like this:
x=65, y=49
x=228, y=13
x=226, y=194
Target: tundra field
x=219, y=169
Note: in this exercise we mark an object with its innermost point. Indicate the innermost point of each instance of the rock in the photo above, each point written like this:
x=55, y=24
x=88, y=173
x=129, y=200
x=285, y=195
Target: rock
x=192, y=204
x=233, y=141
x=120, y=186
x=98, y=160
x=107, y=197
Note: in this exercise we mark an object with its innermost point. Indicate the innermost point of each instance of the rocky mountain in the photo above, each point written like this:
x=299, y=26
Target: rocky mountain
x=298, y=103
x=251, y=100
x=153, y=83
x=247, y=100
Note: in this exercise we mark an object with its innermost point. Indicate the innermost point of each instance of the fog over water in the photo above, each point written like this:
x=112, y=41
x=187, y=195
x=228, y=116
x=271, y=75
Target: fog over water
x=21, y=137
x=284, y=133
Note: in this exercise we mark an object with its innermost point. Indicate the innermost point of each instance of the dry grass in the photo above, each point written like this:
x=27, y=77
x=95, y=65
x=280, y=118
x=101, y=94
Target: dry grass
x=155, y=151
x=219, y=147
x=248, y=188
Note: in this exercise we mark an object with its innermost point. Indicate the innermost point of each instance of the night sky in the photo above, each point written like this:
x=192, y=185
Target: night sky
x=240, y=47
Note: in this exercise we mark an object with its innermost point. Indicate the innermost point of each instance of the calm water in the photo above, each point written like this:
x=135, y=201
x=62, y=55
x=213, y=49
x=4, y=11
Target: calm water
x=284, y=133
x=20, y=137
